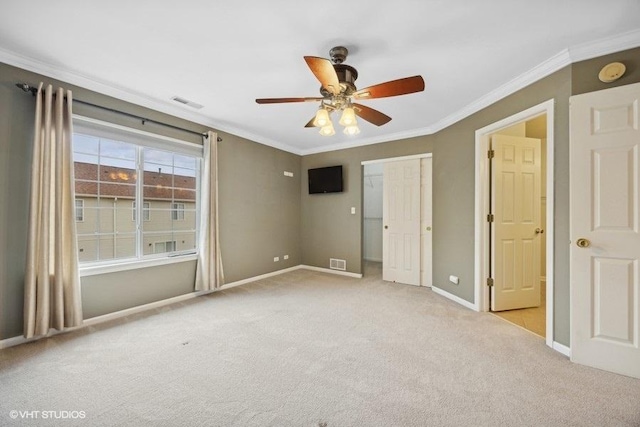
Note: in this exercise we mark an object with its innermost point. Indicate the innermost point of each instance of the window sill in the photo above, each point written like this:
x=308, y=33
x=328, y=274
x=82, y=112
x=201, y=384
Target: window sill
x=95, y=270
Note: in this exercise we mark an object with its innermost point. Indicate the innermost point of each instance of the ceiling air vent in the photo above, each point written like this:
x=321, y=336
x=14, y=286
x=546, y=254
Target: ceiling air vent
x=337, y=264
x=187, y=102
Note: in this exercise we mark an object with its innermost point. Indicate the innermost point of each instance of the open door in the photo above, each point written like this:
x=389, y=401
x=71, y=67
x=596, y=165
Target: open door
x=516, y=224
x=401, y=222
x=605, y=229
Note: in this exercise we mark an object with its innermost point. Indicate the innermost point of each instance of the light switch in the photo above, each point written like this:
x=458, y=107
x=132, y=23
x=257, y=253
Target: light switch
x=353, y=211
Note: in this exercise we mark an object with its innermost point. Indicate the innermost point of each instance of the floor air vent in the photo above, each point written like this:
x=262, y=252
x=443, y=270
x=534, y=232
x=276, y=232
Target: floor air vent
x=337, y=264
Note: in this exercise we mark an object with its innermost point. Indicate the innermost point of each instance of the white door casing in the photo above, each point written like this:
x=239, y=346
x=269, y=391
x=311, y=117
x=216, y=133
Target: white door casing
x=426, y=222
x=605, y=222
x=517, y=227
x=401, y=219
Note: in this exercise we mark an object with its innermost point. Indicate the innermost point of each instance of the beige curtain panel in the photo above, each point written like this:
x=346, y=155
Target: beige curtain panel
x=52, y=282
x=209, y=274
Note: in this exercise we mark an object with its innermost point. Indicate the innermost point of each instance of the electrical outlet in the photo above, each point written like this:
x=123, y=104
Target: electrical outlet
x=454, y=279
x=276, y=258
x=286, y=257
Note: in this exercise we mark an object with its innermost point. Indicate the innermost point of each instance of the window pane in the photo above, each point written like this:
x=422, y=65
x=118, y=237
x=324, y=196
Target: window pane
x=85, y=144
x=107, y=182
x=184, y=178
x=157, y=158
x=117, y=150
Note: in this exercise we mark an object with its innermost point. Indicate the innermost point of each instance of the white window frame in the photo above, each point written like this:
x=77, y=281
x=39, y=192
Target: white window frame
x=81, y=207
x=99, y=128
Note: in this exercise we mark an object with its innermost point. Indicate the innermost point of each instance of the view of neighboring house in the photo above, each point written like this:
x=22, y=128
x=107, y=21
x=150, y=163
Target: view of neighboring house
x=106, y=212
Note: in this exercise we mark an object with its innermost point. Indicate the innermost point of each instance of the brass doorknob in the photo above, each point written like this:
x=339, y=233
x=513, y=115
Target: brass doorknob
x=583, y=243
x=539, y=231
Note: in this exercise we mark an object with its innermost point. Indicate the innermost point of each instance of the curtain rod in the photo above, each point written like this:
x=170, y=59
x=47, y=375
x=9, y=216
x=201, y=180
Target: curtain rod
x=34, y=90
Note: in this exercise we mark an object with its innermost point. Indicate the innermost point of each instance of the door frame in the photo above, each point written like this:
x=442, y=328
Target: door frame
x=385, y=160
x=483, y=205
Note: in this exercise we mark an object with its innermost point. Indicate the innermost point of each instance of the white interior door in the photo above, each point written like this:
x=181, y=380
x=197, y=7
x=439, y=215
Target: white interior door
x=401, y=219
x=516, y=228
x=605, y=229
x=426, y=243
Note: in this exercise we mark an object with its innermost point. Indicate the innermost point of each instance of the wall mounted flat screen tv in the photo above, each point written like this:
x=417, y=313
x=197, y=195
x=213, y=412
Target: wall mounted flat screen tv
x=325, y=180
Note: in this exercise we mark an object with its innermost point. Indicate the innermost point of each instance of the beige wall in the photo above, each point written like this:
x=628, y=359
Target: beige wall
x=259, y=219
x=265, y=214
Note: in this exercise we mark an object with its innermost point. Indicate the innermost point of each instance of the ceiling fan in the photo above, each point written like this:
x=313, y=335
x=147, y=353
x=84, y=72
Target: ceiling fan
x=338, y=92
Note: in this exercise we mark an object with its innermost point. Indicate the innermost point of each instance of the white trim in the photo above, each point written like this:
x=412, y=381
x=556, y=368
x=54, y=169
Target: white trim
x=328, y=270
x=563, y=58
x=114, y=267
x=141, y=308
x=261, y=277
x=482, y=202
x=561, y=348
x=88, y=122
x=395, y=159
x=605, y=46
x=454, y=298
x=10, y=342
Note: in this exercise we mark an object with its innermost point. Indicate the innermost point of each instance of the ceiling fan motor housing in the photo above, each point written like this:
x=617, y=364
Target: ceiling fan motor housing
x=347, y=76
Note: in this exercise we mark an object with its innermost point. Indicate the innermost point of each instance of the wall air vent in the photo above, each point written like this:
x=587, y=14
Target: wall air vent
x=187, y=102
x=337, y=264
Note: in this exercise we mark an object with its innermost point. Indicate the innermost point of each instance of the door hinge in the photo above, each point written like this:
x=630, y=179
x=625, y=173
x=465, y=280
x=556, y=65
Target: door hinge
x=491, y=154
x=490, y=218
x=489, y=281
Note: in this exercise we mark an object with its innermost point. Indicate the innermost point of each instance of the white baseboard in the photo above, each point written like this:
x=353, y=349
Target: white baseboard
x=328, y=270
x=140, y=308
x=262, y=276
x=561, y=348
x=10, y=342
x=457, y=299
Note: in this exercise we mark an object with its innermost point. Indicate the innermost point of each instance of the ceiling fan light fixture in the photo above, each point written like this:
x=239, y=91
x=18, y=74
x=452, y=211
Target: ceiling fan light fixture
x=348, y=117
x=322, y=118
x=352, y=130
x=327, y=130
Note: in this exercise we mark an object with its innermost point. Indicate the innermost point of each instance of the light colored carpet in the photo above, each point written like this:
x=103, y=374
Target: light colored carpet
x=310, y=349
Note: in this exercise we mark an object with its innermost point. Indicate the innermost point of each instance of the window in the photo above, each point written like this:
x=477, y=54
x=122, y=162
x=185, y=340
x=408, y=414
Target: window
x=139, y=194
x=160, y=247
x=79, y=210
x=177, y=211
x=146, y=211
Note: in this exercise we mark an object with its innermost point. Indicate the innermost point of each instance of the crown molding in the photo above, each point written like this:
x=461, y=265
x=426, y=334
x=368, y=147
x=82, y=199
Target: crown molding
x=617, y=43
x=124, y=94
x=550, y=66
x=562, y=59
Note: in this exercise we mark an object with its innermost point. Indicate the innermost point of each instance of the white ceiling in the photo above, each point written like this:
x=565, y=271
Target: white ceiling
x=223, y=55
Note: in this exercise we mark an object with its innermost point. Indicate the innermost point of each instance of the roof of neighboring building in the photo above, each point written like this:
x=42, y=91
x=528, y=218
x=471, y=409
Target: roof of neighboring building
x=113, y=181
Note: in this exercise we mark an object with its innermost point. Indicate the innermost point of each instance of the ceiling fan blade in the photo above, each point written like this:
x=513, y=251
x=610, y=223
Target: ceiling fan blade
x=310, y=123
x=281, y=100
x=392, y=88
x=371, y=115
x=323, y=70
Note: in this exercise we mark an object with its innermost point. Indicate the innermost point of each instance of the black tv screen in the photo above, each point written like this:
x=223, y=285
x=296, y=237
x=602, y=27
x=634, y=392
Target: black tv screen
x=325, y=180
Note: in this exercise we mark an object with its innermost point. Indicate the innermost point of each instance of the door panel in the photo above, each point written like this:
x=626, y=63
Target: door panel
x=516, y=190
x=401, y=218
x=605, y=203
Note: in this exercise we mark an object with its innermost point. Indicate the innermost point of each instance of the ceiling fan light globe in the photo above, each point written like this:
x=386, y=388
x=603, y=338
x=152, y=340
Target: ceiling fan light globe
x=352, y=130
x=322, y=118
x=327, y=130
x=348, y=117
